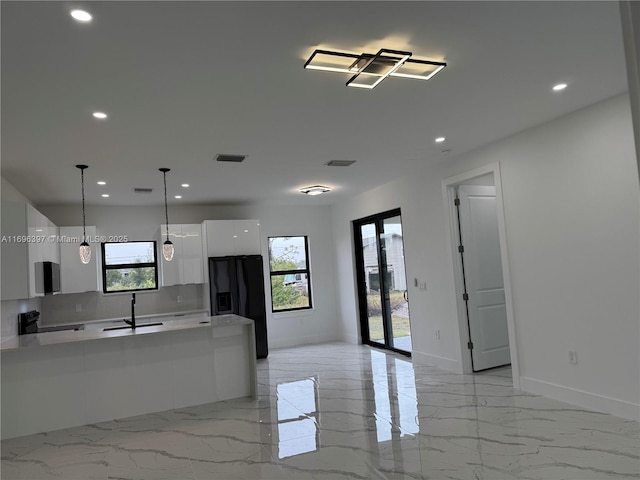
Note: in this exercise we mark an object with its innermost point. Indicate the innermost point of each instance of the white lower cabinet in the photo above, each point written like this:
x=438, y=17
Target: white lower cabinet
x=75, y=276
x=187, y=266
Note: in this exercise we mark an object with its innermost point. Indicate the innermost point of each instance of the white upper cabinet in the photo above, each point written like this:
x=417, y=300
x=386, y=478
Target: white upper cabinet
x=187, y=266
x=15, y=277
x=28, y=239
x=75, y=276
x=247, y=237
x=43, y=245
x=232, y=237
x=220, y=241
x=192, y=257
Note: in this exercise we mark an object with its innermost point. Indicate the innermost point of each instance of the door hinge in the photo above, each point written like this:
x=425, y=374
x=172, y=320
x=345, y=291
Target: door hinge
x=465, y=297
x=461, y=248
x=456, y=202
x=470, y=345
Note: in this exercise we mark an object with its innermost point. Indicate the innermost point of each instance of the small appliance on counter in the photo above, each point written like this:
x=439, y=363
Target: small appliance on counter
x=28, y=323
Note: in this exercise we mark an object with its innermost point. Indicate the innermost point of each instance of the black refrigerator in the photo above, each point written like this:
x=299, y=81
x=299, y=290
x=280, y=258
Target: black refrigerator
x=237, y=286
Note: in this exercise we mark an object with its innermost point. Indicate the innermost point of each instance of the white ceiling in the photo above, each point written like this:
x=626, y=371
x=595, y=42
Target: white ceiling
x=183, y=81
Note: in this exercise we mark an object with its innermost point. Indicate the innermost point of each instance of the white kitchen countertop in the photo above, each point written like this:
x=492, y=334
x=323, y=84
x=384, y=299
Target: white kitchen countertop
x=94, y=330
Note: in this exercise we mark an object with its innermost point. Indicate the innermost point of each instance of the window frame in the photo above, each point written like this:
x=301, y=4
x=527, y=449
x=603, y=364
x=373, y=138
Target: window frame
x=306, y=271
x=119, y=266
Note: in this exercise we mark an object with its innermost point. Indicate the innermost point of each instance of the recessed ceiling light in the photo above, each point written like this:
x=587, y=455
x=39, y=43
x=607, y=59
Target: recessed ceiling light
x=440, y=139
x=178, y=196
x=81, y=15
x=559, y=87
x=100, y=115
x=185, y=185
x=101, y=182
x=105, y=195
x=315, y=190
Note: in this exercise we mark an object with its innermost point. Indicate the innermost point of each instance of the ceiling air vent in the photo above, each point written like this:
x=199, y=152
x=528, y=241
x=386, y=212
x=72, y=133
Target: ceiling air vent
x=221, y=157
x=142, y=190
x=340, y=163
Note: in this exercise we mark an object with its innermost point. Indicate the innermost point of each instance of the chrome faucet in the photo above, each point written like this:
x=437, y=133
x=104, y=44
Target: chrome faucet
x=132, y=322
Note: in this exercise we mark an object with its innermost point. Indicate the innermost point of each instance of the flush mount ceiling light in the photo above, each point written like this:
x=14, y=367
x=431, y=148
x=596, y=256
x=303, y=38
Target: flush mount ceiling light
x=85, y=248
x=99, y=115
x=559, y=87
x=368, y=69
x=315, y=190
x=81, y=16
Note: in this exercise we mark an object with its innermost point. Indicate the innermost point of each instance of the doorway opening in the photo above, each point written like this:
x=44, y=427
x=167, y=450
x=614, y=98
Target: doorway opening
x=382, y=282
x=483, y=295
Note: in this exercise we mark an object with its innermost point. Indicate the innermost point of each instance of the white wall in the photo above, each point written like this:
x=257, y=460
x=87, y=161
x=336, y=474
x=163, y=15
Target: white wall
x=572, y=222
x=142, y=223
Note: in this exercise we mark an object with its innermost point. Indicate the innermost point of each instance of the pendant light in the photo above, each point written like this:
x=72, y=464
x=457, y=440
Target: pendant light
x=167, y=246
x=85, y=248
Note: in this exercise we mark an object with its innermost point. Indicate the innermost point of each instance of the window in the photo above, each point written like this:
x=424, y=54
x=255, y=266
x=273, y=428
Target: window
x=129, y=266
x=290, y=278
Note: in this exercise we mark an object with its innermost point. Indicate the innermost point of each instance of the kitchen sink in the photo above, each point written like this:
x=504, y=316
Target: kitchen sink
x=61, y=328
x=129, y=326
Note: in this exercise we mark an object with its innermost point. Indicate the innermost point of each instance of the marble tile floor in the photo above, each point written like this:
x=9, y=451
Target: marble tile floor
x=339, y=411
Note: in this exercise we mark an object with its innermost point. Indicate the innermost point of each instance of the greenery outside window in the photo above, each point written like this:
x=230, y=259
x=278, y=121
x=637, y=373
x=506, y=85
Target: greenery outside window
x=290, y=276
x=129, y=266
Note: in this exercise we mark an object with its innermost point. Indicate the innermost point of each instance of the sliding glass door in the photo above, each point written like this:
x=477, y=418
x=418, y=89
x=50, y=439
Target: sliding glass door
x=382, y=282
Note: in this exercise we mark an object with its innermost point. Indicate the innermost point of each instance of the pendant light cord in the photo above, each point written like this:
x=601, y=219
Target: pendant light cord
x=166, y=212
x=84, y=227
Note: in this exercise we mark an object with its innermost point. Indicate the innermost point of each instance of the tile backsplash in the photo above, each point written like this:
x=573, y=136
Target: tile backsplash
x=10, y=309
x=83, y=307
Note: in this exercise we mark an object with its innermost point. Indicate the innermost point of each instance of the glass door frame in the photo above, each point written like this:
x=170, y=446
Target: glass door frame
x=378, y=221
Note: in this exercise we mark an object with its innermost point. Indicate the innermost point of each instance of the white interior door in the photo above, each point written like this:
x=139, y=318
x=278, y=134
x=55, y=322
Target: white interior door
x=487, y=313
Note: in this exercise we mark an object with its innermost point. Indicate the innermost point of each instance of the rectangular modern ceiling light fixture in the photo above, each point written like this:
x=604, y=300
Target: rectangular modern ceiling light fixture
x=368, y=69
x=376, y=69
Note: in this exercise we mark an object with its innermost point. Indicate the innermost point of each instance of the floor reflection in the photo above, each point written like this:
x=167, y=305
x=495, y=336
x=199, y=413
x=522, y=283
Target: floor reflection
x=394, y=388
x=297, y=407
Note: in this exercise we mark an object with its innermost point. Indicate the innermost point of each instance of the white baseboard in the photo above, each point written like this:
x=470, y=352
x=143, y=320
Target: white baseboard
x=352, y=339
x=306, y=340
x=592, y=401
x=420, y=358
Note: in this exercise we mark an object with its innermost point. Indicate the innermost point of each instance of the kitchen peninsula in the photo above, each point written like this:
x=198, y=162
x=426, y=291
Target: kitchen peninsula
x=69, y=378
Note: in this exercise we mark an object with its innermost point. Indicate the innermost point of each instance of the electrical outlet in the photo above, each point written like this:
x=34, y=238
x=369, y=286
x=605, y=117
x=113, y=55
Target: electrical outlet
x=423, y=286
x=179, y=298
x=78, y=307
x=573, y=357
x=437, y=334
